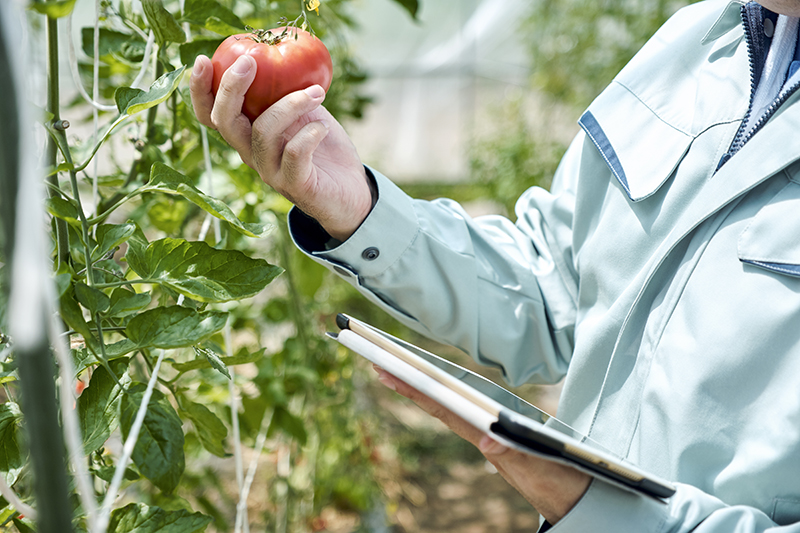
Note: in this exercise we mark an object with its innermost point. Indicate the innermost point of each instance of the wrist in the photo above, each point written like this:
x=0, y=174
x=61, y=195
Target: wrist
x=364, y=199
x=564, y=489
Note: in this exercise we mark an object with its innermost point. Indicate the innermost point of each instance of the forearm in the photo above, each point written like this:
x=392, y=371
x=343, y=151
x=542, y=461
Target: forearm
x=477, y=285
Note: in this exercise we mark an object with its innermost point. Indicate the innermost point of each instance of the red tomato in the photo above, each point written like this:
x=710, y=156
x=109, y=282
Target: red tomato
x=293, y=62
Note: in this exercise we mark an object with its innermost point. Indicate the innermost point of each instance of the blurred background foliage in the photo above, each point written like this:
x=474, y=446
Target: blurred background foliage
x=575, y=48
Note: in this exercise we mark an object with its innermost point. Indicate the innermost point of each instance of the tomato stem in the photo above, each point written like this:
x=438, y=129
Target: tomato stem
x=301, y=22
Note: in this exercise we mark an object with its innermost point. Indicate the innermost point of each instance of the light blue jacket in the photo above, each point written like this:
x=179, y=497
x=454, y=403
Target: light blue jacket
x=665, y=290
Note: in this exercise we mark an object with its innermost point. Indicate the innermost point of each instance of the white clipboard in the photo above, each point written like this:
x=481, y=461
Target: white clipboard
x=494, y=410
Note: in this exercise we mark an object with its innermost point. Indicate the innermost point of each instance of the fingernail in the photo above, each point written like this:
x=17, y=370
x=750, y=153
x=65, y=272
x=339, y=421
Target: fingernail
x=490, y=446
x=242, y=65
x=315, y=91
x=386, y=380
x=198, y=66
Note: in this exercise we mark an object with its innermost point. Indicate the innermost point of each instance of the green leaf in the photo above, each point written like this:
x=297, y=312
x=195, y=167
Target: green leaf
x=411, y=6
x=109, y=236
x=227, y=361
x=137, y=245
x=289, y=424
x=203, y=273
x=61, y=208
x=209, y=427
x=129, y=45
x=214, y=360
x=171, y=502
x=252, y=414
x=166, y=180
x=164, y=25
x=140, y=518
x=11, y=459
x=24, y=525
x=63, y=278
x=125, y=302
x=168, y=213
x=7, y=513
x=106, y=473
x=8, y=373
x=158, y=453
x=309, y=275
x=54, y=9
x=198, y=47
x=221, y=27
x=92, y=299
x=199, y=11
x=174, y=327
x=71, y=314
x=84, y=358
x=130, y=100
x=98, y=405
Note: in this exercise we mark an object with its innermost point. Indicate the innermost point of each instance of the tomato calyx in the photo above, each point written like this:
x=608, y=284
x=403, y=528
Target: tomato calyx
x=289, y=27
x=267, y=37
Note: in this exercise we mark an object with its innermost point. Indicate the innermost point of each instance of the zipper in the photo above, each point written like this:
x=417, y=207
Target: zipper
x=757, y=52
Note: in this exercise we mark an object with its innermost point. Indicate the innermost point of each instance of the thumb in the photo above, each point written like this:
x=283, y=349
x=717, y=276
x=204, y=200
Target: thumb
x=490, y=447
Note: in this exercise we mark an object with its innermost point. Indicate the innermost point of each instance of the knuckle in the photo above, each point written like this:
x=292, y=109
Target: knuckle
x=230, y=89
x=276, y=116
x=288, y=109
x=216, y=120
x=293, y=152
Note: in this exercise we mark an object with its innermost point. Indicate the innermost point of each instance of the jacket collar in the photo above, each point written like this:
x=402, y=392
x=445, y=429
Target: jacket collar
x=729, y=19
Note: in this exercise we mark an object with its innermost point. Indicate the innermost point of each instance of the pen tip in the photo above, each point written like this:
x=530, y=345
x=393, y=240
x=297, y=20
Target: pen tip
x=343, y=321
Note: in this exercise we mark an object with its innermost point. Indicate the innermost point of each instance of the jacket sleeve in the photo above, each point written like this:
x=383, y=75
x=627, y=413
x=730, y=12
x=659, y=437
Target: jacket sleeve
x=605, y=508
x=504, y=293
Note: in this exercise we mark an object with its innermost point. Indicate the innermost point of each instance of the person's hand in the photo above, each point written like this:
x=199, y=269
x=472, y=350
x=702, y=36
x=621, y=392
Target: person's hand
x=296, y=146
x=553, y=489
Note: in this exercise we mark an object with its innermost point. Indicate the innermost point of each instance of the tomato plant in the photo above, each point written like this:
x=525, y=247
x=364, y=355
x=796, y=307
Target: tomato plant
x=288, y=59
x=138, y=306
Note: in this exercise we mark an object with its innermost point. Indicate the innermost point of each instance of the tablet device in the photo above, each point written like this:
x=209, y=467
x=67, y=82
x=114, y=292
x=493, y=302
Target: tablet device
x=494, y=410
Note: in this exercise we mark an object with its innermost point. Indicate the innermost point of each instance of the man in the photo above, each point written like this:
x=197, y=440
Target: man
x=661, y=274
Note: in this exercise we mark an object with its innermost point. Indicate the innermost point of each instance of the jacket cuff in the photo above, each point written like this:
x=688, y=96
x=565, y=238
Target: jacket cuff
x=605, y=507
x=385, y=234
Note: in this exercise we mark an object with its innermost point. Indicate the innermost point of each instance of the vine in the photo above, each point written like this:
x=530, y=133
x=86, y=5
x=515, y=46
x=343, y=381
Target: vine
x=142, y=311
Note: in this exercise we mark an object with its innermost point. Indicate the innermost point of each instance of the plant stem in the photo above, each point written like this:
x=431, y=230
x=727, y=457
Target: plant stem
x=118, y=198
x=127, y=449
x=87, y=254
x=108, y=210
x=173, y=150
x=296, y=298
x=56, y=191
x=153, y=111
x=99, y=143
x=73, y=332
x=51, y=150
x=139, y=281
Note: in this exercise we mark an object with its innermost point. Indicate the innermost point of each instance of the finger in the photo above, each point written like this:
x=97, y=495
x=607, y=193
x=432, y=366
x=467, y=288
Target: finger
x=458, y=425
x=226, y=115
x=492, y=449
x=386, y=379
x=275, y=124
x=552, y=488
x=200, y=88
x=296, y=162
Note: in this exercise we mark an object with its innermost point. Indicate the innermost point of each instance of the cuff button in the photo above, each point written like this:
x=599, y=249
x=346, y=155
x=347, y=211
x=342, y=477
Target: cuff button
x=370, y=254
